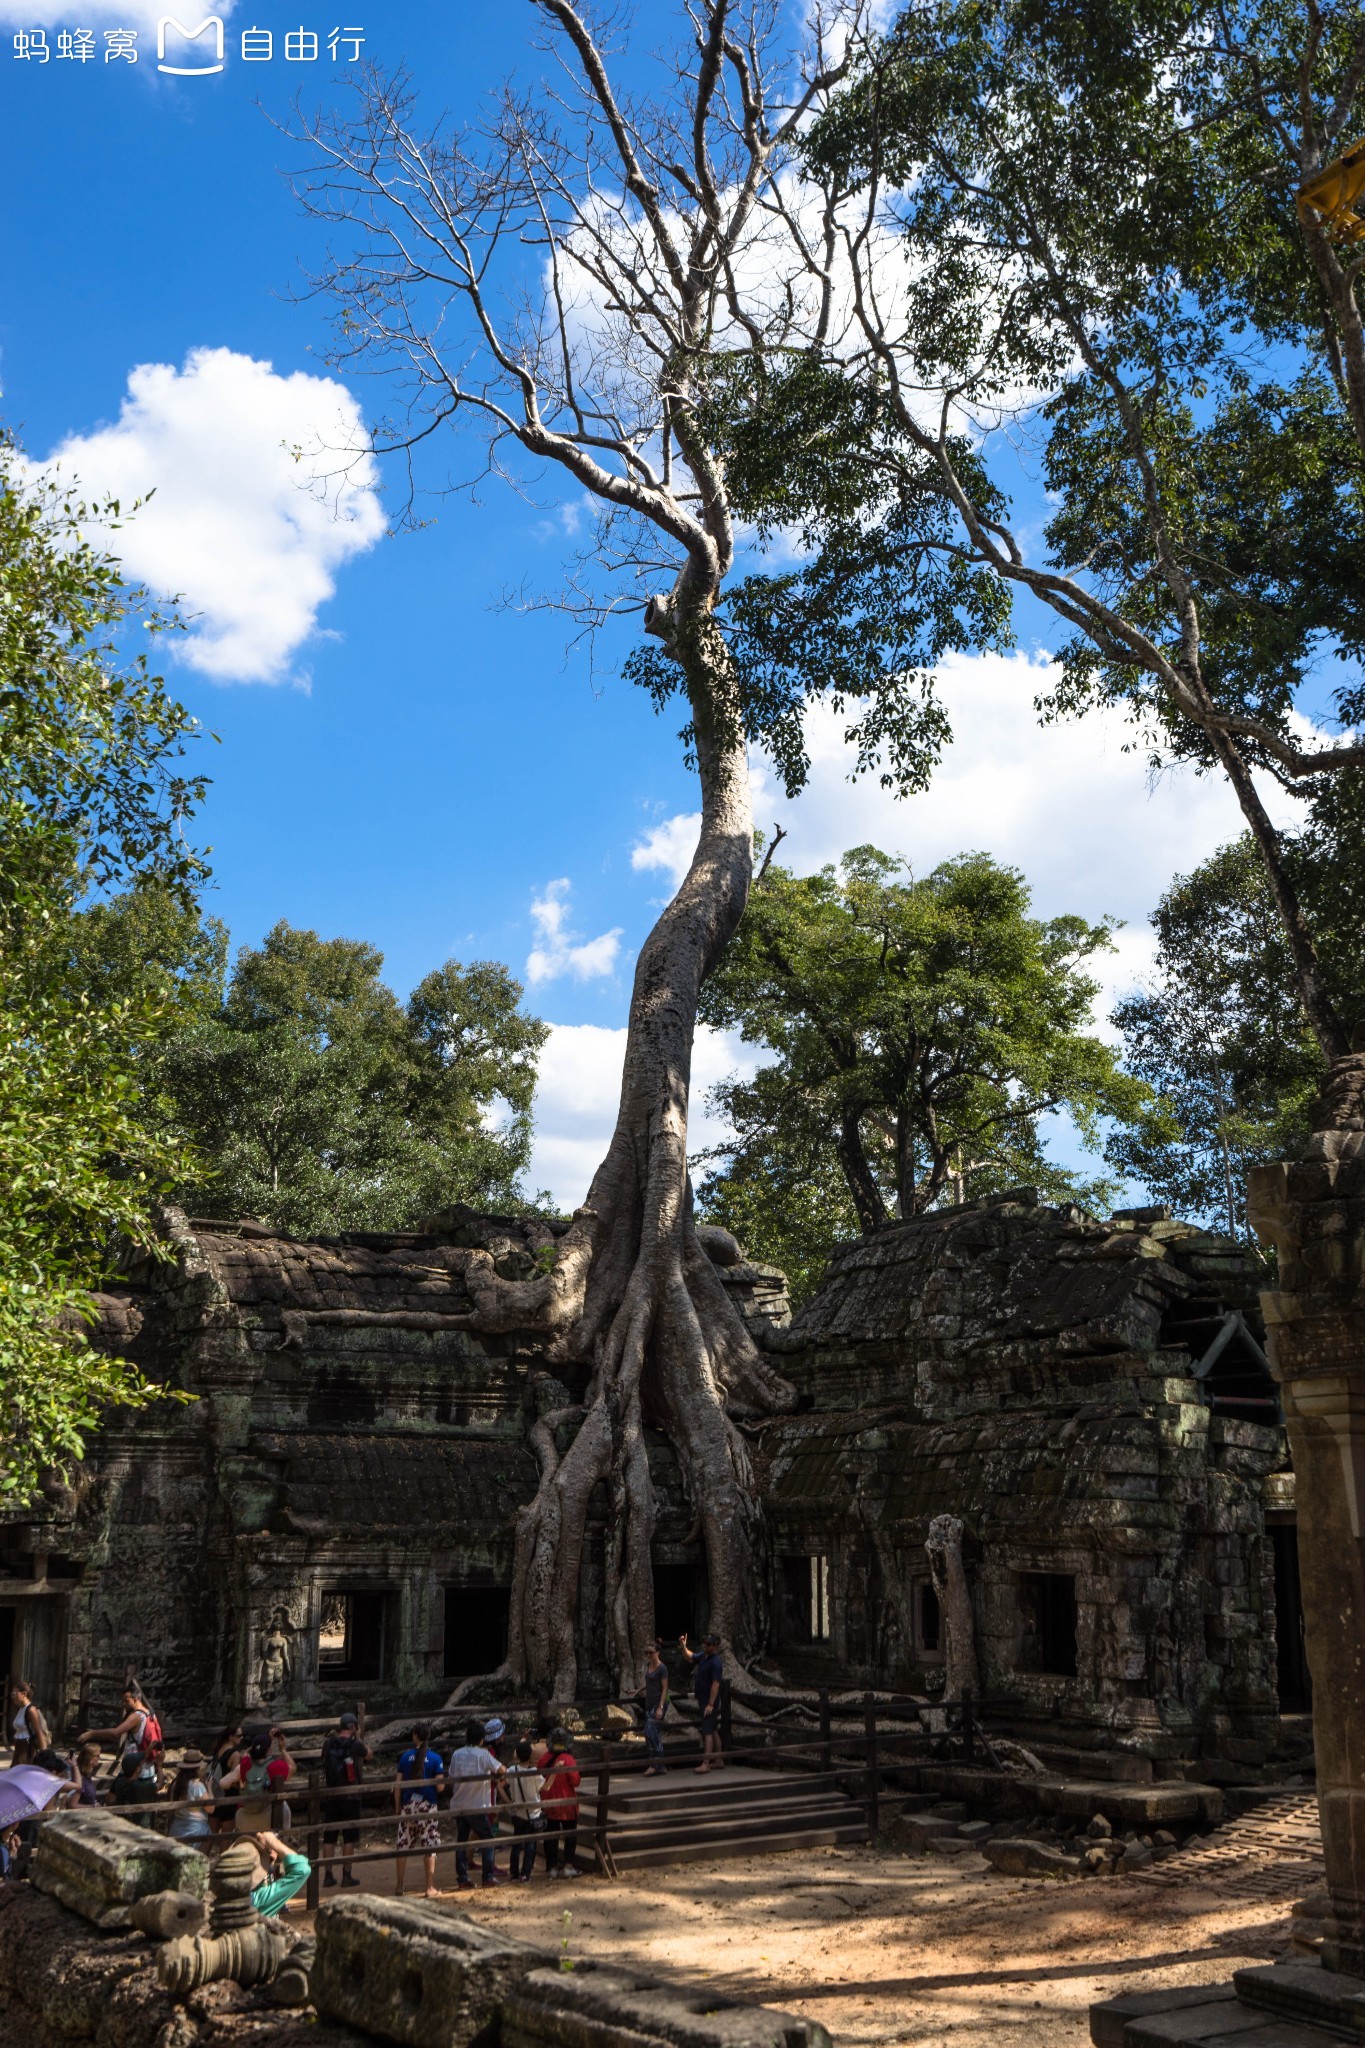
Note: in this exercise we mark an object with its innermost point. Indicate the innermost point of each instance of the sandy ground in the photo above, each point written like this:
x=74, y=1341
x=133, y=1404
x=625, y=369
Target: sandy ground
x=885, y=1948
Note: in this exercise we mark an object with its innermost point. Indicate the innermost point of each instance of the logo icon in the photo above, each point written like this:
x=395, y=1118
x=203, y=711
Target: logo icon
x=189, y=35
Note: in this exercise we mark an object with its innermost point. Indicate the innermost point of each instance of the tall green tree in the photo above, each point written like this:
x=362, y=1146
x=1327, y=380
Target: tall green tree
x=924, y=1029
x=93, y=797
x=582, y=248
x=318, y=1102
x=1220, y=1035
x=1081, y=224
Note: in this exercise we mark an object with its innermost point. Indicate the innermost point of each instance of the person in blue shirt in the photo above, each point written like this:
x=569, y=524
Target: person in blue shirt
x=707, y=1673
x=419, y=1825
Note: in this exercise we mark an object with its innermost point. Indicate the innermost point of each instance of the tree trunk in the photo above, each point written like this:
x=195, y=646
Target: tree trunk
x=956, y=1620
x=633, y=1296
x=862, y=1185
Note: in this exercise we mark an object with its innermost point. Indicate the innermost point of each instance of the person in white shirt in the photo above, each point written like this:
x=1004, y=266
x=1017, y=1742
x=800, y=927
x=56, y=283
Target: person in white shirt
x=522, y=1789
x=472, y=1777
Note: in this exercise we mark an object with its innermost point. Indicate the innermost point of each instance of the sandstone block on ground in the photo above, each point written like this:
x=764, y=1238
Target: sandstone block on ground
x=920, y=1829
x=596, y=2005
x=98, y=1865
x=63, y=1985
x=415, y=1973
x=1020, y=1857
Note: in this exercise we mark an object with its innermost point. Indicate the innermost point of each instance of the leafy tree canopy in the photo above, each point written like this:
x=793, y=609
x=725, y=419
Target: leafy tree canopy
x=1219, y=1031
x=1077, y=229
x=318, y=1102
x=1220, y=1037
x=92, y=796
x=923, y=1030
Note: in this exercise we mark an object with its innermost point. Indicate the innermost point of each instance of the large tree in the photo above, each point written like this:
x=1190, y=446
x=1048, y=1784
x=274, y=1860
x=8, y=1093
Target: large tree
x=923, y=1027
x=317, y=1101
x=1219, y=1033
x=555, y=283
x=1101, y=232
x=93, y=795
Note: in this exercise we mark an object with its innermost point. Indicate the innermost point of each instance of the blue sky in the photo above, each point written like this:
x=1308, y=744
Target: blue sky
x=404, y=759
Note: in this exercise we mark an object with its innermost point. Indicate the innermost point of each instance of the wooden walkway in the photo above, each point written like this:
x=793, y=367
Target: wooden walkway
x=1272, y=1852
x=684, y=1817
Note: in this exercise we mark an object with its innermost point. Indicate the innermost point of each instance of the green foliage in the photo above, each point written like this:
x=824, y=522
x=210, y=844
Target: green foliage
x=1219, y=1032
x=319, y=1103
x=923, y=1030
x=882, y=590
x=1221, y=1037
x=782, y=1191
x=91, y=797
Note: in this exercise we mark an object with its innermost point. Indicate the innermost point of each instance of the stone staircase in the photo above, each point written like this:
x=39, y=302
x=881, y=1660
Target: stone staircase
x=739, y=1811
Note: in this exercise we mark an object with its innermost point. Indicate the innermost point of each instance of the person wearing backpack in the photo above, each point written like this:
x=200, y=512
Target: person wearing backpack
x=139, y=1732
x=344, y=1757
x=251, y=1780
x=522, y=1789
x=560, y=1799
x=29, y=1731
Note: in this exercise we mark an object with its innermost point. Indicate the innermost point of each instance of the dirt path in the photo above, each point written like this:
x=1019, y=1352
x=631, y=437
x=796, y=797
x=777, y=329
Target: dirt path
x=886, y=1948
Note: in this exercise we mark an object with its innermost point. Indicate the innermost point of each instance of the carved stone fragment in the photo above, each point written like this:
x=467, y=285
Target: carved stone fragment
x=597, y=2004
x=164, y=1915
x=415, y=1974
x=98, y=1864
x=240, y=1945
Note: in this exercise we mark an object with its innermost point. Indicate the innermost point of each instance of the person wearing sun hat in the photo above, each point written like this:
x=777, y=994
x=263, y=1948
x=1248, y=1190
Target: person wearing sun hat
x=191, y=1782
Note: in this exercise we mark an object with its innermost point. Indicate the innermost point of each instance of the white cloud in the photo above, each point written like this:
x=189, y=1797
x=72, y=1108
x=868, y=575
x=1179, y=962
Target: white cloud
x=577, y=1093
x=669, y=846
x=142, y=15
x=1063, y=803
x=264, y=489
x=558, y=950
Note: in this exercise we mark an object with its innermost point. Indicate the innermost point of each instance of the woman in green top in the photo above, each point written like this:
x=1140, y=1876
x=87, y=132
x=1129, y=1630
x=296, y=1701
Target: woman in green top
x=273, y=1894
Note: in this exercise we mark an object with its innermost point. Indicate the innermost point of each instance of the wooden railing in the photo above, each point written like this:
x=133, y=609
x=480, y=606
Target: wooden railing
x=859, y=1760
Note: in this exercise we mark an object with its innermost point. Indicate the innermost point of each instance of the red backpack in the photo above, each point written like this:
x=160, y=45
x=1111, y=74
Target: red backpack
x=152, y=1745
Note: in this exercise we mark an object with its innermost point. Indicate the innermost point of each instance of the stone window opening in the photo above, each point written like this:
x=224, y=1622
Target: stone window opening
x=1047, y=1623
x=805, y=1599
x=476, y=1621
x=352, y=1635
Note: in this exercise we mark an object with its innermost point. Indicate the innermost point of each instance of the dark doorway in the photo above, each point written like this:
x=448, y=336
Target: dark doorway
x=7, y=1670
x=1292, y=1676
x=676, y=1601
x=352, y=1640
x=1047, y=1617
x=476, y=1629
x=928, y=1617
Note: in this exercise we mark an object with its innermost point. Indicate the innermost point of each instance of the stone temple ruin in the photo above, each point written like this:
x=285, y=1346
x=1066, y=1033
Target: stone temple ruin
x=332, y=1515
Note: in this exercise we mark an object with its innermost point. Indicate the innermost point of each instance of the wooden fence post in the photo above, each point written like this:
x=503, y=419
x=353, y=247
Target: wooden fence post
x=873, y=1781
x=314, y=1850
x=606, y=1862
x=826, y=1749
x=360, y=1719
